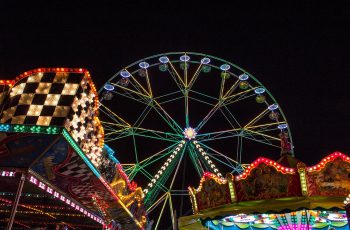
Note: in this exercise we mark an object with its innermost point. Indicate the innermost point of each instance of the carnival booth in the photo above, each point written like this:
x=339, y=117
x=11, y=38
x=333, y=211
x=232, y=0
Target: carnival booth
x=268, y=195
x=55, y=170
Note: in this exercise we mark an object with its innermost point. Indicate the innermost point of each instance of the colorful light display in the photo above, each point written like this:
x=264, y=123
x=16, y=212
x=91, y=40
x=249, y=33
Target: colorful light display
x=61, y=197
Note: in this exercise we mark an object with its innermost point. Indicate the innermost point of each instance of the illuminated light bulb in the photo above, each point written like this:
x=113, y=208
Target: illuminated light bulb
x=145, y=191
x=160, y=172
x=153, y=180
x=166, y=164
x=212, y=166
x=156, y=176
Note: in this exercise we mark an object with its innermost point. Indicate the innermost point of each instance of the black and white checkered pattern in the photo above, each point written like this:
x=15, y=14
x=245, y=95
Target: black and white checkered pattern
x=42, y=98
x=86, y=185
x=77, y=168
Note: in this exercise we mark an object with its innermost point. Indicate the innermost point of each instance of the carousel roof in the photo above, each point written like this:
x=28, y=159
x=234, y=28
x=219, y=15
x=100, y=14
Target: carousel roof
x=267, y=187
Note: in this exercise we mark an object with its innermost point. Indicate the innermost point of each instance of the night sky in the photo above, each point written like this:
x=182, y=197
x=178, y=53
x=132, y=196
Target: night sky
x=299, y=52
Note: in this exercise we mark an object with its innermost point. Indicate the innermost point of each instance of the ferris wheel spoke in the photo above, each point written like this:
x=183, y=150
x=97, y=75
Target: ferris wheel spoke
x=230, y=90
x=148, y=84
x=166, y=117
x=138, y=93
x=156, y=203
x=219, y=135
x=142, y=116
x=166, y=98
x=220, y=103
x=162, y=176
x=208, y=116
x=227, y=113
x=222, y=85
x=132, y=97
x=220, y=154
x=208, y=163
x=232, y=96
x=156, y=157
x=177, y=76
x=186, y=109
x=194, y=77
x=196, y=162
x=113, y=116
x=138, y=85
x=255, y=119
x=263, y=135
x=229, y=121
x=123, y=132
x=253, y=136
x=171, y=210
x=232, y=164
x=161, y=212
x=267, y=125
x=214, y=99
x=240, y=98
x=159, y=186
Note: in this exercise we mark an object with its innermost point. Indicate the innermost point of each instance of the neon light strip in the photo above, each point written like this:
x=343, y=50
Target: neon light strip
x=110, y=153
x=206, y=175
x=30, y=129
x=80, y=152
x=268, y=162
x=7, y=174
x=7, y=82
x=59, y=196
x=328, y=159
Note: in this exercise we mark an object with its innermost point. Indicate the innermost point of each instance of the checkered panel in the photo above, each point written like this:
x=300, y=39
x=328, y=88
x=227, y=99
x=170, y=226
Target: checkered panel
x=85, y=186
x=42, y=99
x=77, y=169
x=83, y=124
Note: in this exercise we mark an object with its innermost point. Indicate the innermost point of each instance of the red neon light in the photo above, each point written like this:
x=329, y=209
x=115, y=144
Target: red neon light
x=263, y=160
x=328, y=159
x=7, y=82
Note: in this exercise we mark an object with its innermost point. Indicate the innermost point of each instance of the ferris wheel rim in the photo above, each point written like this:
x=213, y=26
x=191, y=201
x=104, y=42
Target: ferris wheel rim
x=212, y=57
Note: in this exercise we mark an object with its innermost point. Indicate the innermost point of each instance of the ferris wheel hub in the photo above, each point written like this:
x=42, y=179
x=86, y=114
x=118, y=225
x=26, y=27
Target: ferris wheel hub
x=190, y=133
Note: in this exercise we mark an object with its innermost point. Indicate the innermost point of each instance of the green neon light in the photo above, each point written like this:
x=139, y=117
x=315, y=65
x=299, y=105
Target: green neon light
x=30, y=129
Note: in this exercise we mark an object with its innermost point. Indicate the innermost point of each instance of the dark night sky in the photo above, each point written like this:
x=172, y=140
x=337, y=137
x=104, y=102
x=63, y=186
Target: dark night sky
x=299, y=52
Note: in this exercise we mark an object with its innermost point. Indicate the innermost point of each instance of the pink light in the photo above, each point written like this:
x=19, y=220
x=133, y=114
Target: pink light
x=42, y=185
x=56, y=194
x=62, y=198
x=33, y=180
x=49, y=190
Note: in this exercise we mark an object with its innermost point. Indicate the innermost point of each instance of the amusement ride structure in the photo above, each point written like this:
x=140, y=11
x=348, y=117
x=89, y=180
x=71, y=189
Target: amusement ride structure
x=179, y=115
x=127, y=156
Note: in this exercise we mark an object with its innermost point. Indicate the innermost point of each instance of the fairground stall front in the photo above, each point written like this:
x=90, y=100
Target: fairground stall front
x=268, y=195
x=55, y=170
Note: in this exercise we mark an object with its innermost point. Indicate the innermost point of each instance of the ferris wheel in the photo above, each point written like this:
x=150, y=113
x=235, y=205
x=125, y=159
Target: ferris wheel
x=173, y=116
